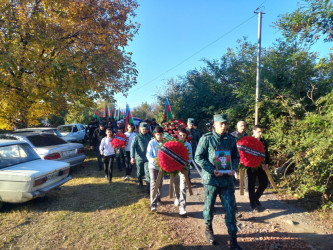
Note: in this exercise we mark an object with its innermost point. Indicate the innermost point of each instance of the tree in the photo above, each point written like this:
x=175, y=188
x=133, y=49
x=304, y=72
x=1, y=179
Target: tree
x=309, y=22
x=146, y=111
x=57, y=52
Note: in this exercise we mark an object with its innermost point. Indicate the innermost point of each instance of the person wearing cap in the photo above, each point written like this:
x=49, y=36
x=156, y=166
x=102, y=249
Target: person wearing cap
x=95, y=142
x=138, y=154
x=195, y=137
x=195, y=134
x=215, y=182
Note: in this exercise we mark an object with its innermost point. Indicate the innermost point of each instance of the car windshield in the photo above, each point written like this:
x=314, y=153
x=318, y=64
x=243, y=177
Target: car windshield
x=15, y=154
x=44, y=140
x=66, y=129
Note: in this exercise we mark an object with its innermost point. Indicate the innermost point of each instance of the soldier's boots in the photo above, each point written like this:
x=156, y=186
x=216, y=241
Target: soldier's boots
x=210, y=234
x=234, y=245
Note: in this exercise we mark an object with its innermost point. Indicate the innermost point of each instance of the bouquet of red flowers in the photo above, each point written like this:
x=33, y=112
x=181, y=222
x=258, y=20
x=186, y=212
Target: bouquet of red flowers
x=119, y=140
x=172, y=156
x=251, y=151
x=172, y=126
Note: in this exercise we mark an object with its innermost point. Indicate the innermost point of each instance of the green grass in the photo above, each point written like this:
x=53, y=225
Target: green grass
x=87, y=213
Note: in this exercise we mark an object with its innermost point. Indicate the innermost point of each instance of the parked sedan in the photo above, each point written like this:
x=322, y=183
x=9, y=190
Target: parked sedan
x=76, y=131
x=24, y=176
x=48, y=130
x=51, y=147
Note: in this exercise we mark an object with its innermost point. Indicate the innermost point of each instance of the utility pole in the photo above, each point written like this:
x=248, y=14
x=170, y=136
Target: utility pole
x=258, y=67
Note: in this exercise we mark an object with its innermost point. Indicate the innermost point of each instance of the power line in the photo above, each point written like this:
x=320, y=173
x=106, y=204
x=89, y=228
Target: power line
x=194, y=54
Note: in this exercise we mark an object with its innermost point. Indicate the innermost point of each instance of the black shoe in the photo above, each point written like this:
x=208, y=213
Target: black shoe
x=234, y=245
x=258, y=204
x=140, y=183
x=255, y=210
x=148, y=188
x=209, y=234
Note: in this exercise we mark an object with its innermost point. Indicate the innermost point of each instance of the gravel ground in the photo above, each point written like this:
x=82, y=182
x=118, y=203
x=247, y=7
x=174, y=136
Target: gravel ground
x=280, y=226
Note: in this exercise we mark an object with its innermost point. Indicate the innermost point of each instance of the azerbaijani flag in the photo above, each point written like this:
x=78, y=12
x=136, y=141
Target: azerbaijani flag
x=96, y=115
x=118, y=115
x=105, y=110
x=129, y=117
x=109, y=112
x=167, y=111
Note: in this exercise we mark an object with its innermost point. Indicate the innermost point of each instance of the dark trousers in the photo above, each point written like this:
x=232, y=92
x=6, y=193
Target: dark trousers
x=99, y=157
x=227, y=197
x=255, y=195
x=108, y=166
x=120, y=158
x=128, y=164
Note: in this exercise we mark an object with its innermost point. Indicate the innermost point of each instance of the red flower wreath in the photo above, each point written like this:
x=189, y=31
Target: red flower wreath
x=119, y=140
x=248, y=159
x=168, y=164
x=171, y=127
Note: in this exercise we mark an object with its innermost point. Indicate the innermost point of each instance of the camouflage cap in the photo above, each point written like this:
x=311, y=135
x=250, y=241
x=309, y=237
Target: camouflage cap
x=143, y=125
x=191, y=121
x=220, y=118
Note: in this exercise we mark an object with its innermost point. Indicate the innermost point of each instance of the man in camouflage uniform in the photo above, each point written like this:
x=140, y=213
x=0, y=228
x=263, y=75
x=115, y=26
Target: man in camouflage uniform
x=216, y=183
x=138, y=154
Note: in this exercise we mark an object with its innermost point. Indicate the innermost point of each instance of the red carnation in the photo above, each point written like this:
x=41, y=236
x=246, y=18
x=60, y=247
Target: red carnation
x=247, y=159
x=166, y=162
x=121, y=142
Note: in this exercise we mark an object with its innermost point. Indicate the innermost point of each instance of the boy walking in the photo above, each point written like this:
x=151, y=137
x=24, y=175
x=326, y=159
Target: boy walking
x=254, y=195
x=180, y=181
x=107, y=150
x=130, y=135
x=152, y=151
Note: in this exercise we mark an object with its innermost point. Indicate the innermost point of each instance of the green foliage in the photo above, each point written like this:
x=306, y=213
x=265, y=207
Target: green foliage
x=56, y=52
x=312, y=20
x=295, y=107
x=147, y=111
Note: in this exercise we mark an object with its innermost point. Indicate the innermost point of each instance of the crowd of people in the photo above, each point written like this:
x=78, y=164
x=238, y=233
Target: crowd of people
x=142, y=150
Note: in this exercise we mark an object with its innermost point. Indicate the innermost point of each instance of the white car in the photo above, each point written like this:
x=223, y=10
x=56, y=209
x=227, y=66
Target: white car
x=49, y=130
x=76, y=131
x=24, y=176
x=50, y=147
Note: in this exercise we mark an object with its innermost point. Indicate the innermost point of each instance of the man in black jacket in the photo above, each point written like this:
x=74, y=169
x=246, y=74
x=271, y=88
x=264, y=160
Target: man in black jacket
x=96, y=139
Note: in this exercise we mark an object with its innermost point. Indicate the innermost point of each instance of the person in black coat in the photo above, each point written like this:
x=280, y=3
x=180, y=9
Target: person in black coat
x=96, y=139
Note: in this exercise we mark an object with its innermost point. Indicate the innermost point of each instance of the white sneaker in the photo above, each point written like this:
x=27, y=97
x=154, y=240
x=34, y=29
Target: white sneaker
x=182, y=211
x=176, y=202
x=153, y=208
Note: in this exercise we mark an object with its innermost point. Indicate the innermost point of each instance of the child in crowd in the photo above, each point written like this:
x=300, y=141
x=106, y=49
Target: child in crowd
x=153, y=170
x=107, y=150
x=130, y=135
x=180, y=181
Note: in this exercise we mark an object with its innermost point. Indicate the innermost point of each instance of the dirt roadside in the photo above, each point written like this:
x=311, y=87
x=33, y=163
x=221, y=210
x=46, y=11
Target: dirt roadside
x=279, y=226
